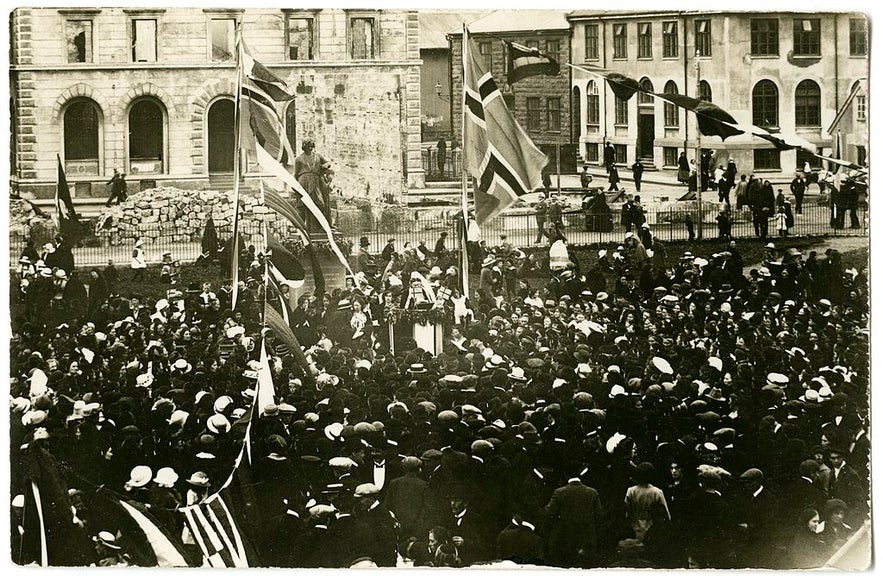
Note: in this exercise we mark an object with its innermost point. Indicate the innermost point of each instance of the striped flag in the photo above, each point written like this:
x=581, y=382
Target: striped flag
x=523, y=62
x=66, y=217
x=496, y=150
x=150, y=541
x=283, y=331
x=217, y=533
x=259, y=118
x=285, y=208
x=284, y=266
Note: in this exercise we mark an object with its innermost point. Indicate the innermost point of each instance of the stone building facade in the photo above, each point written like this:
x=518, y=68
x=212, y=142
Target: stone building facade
x=782, y=71
x=540, y=104
x=151, y=92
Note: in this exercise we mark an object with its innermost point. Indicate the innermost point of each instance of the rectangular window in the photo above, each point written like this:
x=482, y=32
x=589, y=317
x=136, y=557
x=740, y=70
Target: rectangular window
x=593, y=110
x=803, y=157
x=669, y=156
x=144, y=40
x=591, y=41
x=807, y=37
x=591, y=152
x=484, y=48
x=223, y=37
x=671, y=116
x=669, y=39
x=703, y=37
x=299, y=36
x=861, y=107
x=533, y=44
x=621, y=112
x=552, y=48
x=645, y=40
x=764, y=37
x=620, y=41
x=858, y=37
x=619, y=149
x=79, y=41
x=533, y=113
x=766, y=159
x=553, y=114
x=362, y=38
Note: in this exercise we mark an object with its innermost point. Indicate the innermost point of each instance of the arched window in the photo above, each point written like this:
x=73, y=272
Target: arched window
x=861, y=103
x=704, y=91
x=765, y=104
x=807, y=104
x=82, y=124
x=644, y=96
x=671, y=111
x=593, y=106
x=146, y=136
x=291, y=125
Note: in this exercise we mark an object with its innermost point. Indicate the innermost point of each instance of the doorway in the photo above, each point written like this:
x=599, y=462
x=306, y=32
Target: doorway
x=221, y=136
x=646, y=136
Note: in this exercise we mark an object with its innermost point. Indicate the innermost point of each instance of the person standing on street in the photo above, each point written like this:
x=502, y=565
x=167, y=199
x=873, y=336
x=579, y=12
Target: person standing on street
x=585, y=178
x=613, y=178
x=637, y=173
x=118, y=188
x=688, y=222
x=683, y=168
x=556, y=220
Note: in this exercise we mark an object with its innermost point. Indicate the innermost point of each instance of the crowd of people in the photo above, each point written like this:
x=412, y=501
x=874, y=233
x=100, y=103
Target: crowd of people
x=618, y=410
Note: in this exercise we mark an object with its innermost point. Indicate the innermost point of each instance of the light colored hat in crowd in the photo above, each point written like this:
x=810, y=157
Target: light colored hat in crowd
x=166, y=477
x=138, y=477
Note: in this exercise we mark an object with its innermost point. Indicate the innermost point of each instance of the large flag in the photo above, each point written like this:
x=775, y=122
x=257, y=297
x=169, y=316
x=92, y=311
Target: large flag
x=283, y=331
x=150, y=540
x=217, y=531
x=284, y=266
x=50, y=536
x=284, y=207
x=260, y=90
x=259, y=119
x=68, y=222
x=523, y=62
x=496, y=150
x=712, y=119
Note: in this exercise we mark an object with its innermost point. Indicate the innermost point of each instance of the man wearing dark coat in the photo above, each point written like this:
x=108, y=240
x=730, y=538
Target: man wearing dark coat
x=574, y=521
x=408, y=497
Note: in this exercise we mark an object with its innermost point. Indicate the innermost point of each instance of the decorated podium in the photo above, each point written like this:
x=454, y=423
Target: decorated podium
x=421, y=318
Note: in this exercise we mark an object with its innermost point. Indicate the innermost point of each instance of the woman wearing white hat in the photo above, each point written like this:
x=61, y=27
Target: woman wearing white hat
x=138, y=262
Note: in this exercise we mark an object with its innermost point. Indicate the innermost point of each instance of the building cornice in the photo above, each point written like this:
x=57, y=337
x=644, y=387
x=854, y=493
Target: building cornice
x=305, y=64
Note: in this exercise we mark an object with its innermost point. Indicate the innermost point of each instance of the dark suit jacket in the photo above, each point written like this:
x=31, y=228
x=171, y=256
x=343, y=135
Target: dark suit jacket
x=408, y=498
x=574, y=516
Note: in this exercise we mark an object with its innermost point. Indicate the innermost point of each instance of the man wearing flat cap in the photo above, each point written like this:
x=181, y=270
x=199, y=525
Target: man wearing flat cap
x=758, y=519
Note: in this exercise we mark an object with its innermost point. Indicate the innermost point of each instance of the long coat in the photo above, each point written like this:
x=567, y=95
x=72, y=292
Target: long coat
x=574, y=521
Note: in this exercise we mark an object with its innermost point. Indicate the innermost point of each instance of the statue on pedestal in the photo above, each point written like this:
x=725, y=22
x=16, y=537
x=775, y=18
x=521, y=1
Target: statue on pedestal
x=314, y=173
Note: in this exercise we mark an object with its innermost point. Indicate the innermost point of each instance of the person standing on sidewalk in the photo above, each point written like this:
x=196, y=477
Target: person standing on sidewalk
x=609, y=156
x=688, y=222
x=556, y=220
x=798, y=188
x=637, y=173
x=541, y=211
x=613, y=179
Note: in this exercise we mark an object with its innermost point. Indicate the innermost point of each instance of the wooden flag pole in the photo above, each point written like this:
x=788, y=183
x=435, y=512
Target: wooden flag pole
x=237, y=116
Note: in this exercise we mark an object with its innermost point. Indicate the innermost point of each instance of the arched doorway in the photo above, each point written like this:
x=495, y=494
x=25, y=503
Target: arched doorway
x=221, y=140
x=646, y=122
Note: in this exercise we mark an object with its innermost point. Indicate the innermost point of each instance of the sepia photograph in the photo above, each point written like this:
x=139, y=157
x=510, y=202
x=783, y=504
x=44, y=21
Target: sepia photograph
x=400, y=287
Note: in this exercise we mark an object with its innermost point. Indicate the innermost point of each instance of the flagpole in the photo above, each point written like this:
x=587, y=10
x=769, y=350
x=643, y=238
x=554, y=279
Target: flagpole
x=236, y=168
x=463, y=180
x=698, y=156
